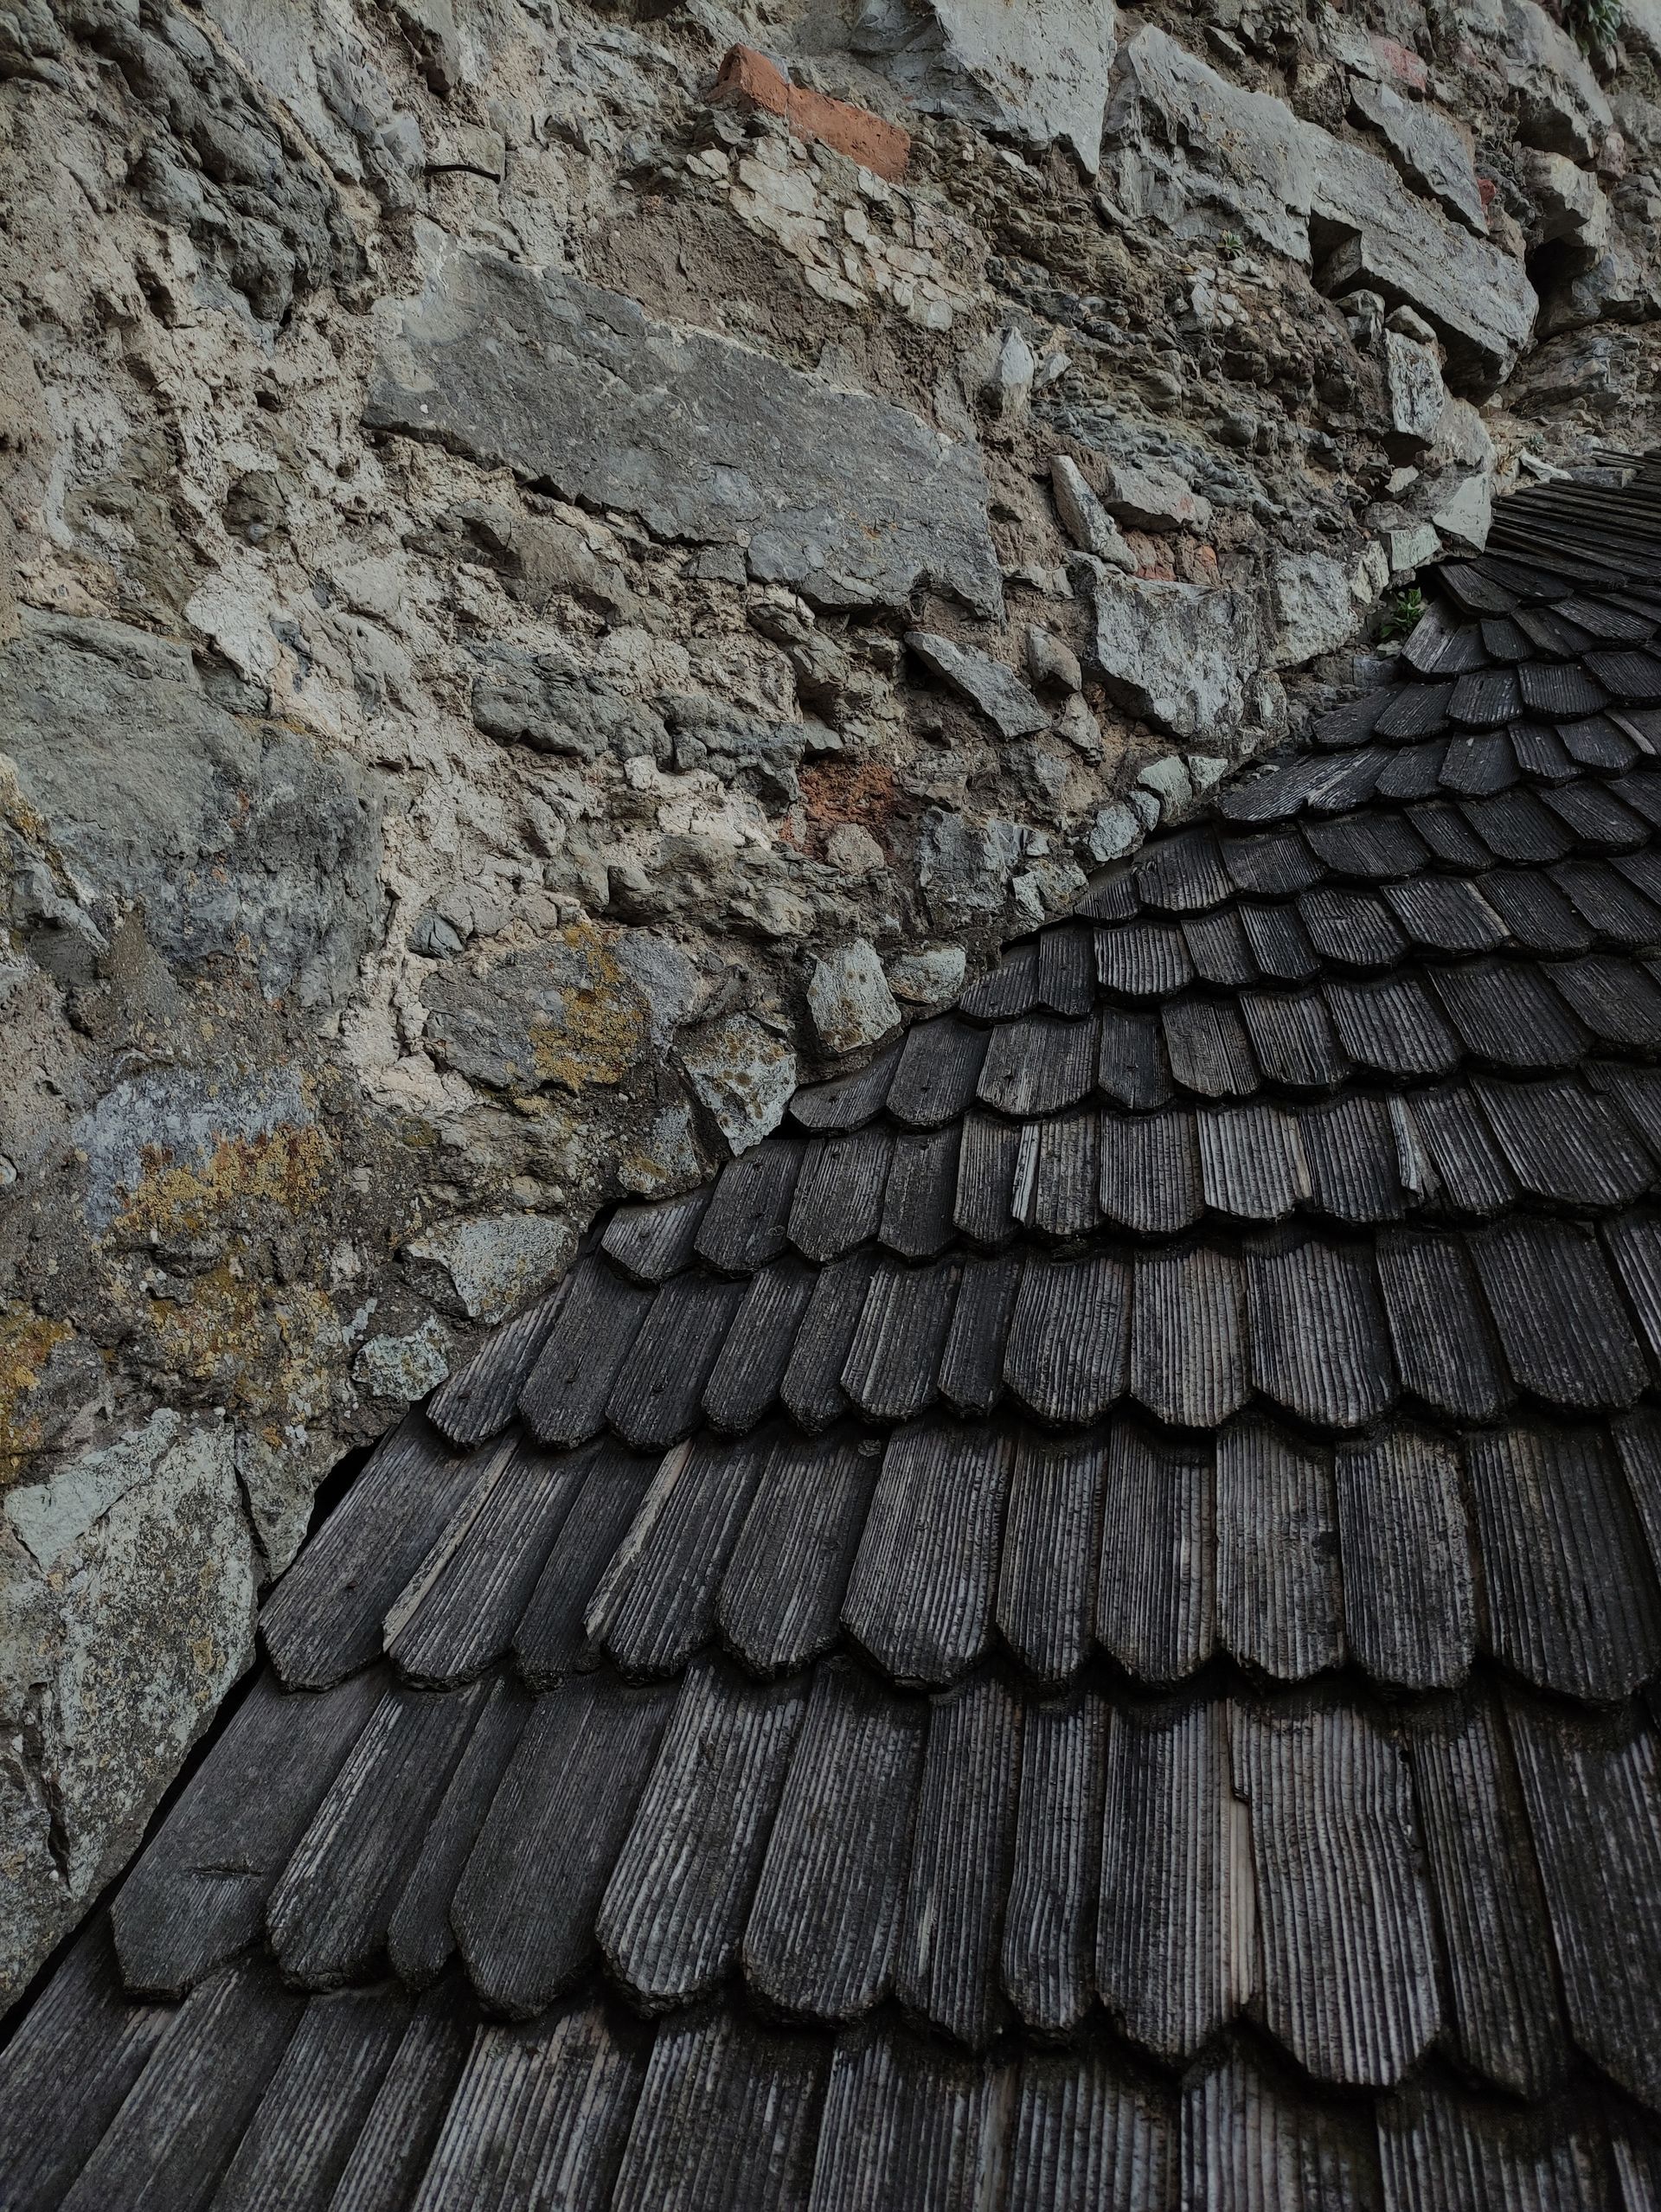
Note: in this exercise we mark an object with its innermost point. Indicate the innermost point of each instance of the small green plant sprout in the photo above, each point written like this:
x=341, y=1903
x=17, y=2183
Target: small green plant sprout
x=1594, y=25
x=1403, y=618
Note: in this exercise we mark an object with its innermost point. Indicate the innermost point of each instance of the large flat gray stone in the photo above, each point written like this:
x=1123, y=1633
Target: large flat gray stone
x=1038, y=72
x=1179, y=655
x=851, y=501
x=127, y=1580
x=1184, y=148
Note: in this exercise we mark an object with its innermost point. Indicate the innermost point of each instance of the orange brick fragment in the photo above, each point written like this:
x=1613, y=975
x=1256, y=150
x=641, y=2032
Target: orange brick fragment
x=882, y=147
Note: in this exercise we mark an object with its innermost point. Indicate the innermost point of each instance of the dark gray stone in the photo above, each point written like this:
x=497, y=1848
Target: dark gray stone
x=579, y=1011
x=1187, y=149
x=1179, y=655
x=1427, y=146
x=542, y=700
x=237, y=837
x=852, y=502
x=1562, y=106
x=997, y=691
x=1038, y=72
x=1367, y=229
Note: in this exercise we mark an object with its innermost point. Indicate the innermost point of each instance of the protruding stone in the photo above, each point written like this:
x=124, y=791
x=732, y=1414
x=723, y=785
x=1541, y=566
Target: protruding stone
x=1084, y=518
x=666, y=1159
x=1365, y=312
x=1148, y=497
x=402, y=1368
x=1051, y=661
x=496, y=1261
x=1568, y=202
x=1081, y=728
x=1597, y=371
x=1170, y=784
x=1463, y=440
x=1315, y=610
x=928, y=977
x=1179, y=655
x=850, y=1001
x=121, y=750
x=576, y=1012
x=1468, y=515
x=1367, y=229
x=130, y=1574
x=1411, y=549
x=1007, y=390
x=1184, y=147
x=1610, y=287
x=1411, y=324
x=1412, y=378
x=1372, y=573
x=1562, y=108
x=469, y=146
x=988, y=685
x=1117, y=830
x=744, y=1075
x=1038, y=73
x=1427, y=147
x=965, y=868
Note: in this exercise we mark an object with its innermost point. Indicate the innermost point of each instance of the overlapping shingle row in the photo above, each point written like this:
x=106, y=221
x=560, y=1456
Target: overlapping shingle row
x=1404, y=1553
x=989, y=1858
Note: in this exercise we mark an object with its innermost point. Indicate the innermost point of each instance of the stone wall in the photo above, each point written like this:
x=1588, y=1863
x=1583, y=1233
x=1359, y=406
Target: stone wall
x=543, y=600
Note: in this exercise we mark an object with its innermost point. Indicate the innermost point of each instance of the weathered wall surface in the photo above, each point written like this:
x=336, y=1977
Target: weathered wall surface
x=540, y=608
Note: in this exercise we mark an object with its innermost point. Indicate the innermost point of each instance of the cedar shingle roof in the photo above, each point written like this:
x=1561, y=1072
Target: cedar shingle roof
x=1077, y=1633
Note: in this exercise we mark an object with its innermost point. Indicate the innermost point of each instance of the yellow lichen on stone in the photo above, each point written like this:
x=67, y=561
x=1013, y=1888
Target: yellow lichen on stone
x=258, y=1348
x=286, y=1167
x=604, y=1024
x=26, y=1343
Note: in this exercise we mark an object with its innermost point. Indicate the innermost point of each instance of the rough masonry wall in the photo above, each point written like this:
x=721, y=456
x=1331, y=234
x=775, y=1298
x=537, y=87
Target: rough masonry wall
x=542, y=606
